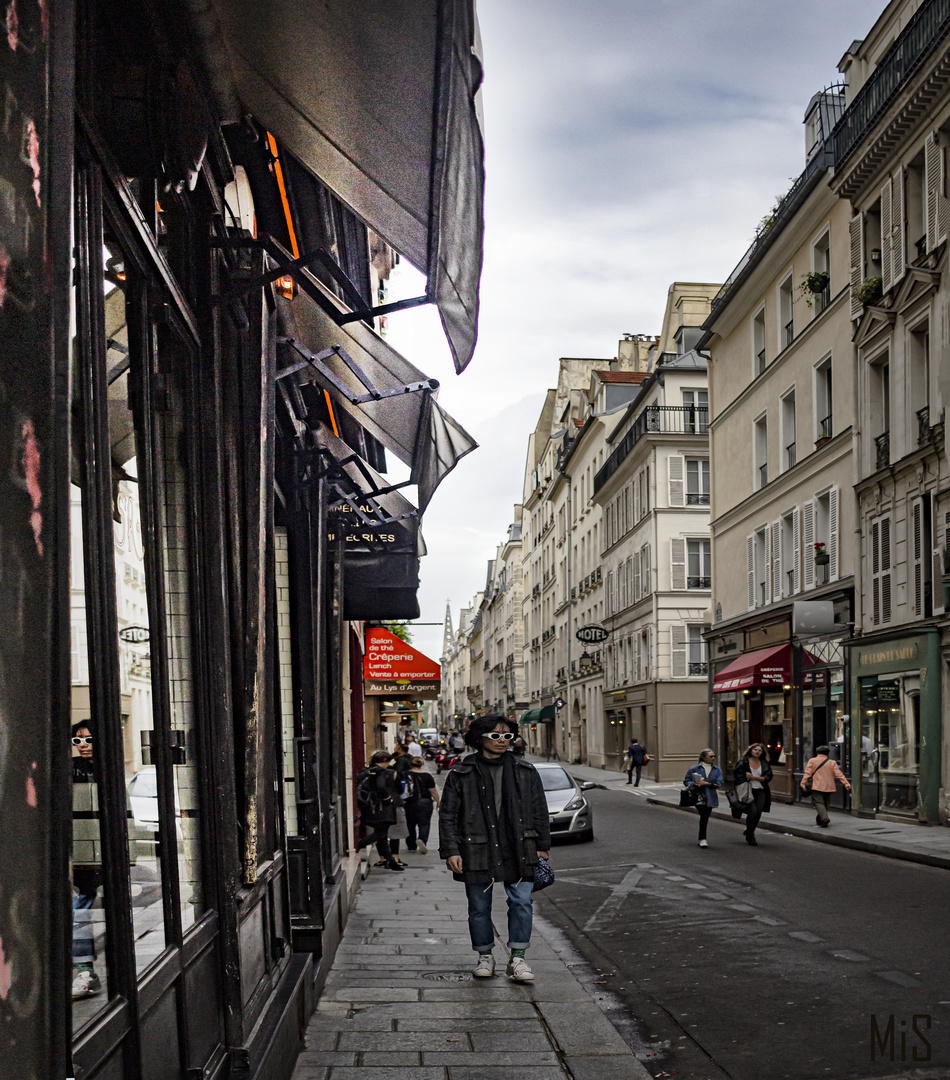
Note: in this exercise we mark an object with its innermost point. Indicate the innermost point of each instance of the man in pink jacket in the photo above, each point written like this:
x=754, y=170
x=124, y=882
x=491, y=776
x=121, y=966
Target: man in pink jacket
x=822, y=771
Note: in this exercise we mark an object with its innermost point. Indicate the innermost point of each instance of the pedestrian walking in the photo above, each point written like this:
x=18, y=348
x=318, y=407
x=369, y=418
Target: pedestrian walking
x=636, y=758
x=493, y=827
x=419, y=806
x=819, y=780
x=457, y=742
x=755, y=768
x=402, y=760
x=377, y=796
x=708, y=776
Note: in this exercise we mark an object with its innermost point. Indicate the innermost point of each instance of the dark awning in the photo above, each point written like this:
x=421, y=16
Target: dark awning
x=379, y=101
x=535, y=716
x=760, y=669
x=411, y=424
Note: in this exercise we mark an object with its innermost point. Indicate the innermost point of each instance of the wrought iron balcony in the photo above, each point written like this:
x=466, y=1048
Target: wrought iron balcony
x=882, y=446
x=697, y=582
x=822, y=299
x=697, y=498
x=789, y=332
x=698, y=668
x=790, y=455
x=825, y=428
x=661, y=419
x=763, y=474
x=929, y=25
x=760, y=360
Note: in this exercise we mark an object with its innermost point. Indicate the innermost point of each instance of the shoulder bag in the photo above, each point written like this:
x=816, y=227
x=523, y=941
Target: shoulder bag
x=740, y=796
x=807, y=784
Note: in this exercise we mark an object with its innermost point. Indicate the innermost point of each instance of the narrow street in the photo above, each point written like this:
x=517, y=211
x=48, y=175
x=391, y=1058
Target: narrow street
x=747, y=962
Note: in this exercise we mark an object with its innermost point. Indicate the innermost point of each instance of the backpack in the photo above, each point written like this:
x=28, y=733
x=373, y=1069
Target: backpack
x=369, y=801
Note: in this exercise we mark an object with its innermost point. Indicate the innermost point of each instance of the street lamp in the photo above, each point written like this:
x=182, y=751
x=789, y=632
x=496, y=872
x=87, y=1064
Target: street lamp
x=585, y=661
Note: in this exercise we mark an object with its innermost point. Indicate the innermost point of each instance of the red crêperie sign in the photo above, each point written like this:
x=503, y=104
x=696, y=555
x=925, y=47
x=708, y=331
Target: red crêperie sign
x=387, y=657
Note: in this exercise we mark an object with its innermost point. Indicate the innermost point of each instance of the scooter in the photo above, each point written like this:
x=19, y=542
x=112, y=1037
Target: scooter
x=445, y=759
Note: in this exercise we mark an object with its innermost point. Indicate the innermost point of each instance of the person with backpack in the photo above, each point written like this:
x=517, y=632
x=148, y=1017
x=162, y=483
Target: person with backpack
x=421, y=799
x=378, y=793
x=494, y=826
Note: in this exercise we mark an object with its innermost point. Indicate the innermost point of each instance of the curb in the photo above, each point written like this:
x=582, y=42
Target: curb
x=942, y=862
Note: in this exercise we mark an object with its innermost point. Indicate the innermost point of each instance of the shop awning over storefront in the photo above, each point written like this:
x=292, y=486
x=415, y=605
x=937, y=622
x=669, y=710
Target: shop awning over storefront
x=536, y=716
x=764, y=668
x=388, y=396
x=758, y=669
x=379, y=101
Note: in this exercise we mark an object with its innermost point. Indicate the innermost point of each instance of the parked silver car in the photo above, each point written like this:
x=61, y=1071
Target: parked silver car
x=570, y=813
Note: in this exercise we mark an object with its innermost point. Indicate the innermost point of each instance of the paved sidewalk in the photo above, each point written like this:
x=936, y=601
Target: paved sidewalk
x=895, y=840
x=400, y=1000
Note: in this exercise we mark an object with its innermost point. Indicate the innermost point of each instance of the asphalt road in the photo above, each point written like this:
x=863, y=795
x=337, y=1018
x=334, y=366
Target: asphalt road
x=788, y=961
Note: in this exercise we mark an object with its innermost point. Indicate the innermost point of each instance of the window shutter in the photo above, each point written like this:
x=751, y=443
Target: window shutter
x=645, y=558
x=622, y=575
x=881, y=571
x=936, y=555
x=675, y=464
x=898, y=245
x=932, y=171
x=645, y=639
x=943, y=205
x=608, y=594
x=776, y=560
x=636, y=577
x=767, y=564
x=750, y=573
x=887, y=235
x=808, y=511
x=833, y=534
x=857, y=263
x=917, y=556
x=678, y=563
x=876, y=573
x=796, y=550
x=678, y=668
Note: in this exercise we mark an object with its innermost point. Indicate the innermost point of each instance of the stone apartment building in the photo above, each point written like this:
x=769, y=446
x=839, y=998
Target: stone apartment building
x=653, y=495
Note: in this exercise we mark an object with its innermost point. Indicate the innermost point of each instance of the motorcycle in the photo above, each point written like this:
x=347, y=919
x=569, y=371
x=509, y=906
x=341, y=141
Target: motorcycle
x=445, y=759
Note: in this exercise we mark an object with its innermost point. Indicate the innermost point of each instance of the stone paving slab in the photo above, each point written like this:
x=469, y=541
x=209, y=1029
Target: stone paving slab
x=380, y=1018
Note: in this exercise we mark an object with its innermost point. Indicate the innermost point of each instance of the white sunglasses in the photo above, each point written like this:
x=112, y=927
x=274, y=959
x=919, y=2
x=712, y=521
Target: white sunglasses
x=496, y=735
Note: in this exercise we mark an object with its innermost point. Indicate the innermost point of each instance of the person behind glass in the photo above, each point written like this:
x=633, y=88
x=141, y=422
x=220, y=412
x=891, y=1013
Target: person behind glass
x=823, y=782
x=755, y=768
x=708, y=776
x=494, y=827
x=380, y=816
x=419, y=806
x=636, y=756
x=87, y=862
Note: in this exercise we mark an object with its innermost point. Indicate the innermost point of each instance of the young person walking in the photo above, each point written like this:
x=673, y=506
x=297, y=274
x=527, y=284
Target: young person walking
x=493, y=828
x=419, y=806
x=822, y=784
x=708, y=776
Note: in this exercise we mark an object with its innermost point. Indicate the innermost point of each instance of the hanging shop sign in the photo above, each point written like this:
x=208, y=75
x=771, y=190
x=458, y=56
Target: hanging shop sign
x=592, y=635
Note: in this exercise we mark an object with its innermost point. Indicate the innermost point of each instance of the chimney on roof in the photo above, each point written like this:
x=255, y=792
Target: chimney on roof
x=633, y=353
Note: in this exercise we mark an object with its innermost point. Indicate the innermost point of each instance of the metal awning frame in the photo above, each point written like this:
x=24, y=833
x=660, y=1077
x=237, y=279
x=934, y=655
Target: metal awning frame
x=316, y=360
x=288, y=266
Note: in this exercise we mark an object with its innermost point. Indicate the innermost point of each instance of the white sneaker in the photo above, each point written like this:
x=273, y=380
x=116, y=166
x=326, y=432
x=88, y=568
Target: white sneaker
x=86, y=984
x=702, y=843
x=518, y=970
x=485, y=967
x=421, y=848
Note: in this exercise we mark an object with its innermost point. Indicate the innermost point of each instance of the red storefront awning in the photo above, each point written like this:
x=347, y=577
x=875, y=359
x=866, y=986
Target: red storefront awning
x=761, y=668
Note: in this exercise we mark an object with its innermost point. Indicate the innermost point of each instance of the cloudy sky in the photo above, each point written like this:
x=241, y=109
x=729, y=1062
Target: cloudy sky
x=629, y=144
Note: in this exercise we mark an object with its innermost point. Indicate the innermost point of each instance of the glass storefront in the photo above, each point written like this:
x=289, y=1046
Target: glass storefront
x=890, y=743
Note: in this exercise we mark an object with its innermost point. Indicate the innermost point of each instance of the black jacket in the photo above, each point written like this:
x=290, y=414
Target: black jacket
x=465, y=824
x=387, y=789
x=742, y=767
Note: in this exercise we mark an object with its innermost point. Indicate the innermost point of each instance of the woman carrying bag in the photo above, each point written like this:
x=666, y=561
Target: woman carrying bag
x=755, y=769
x=707, y=777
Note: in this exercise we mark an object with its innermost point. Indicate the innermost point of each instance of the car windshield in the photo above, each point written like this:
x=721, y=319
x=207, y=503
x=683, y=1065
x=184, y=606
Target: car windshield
x=555, y=779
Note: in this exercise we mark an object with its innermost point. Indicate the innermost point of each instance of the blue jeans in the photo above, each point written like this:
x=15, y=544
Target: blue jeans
x=84, y=941
x=519, y=915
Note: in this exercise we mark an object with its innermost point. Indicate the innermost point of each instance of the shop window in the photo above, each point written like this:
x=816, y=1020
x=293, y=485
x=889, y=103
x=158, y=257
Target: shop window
x=890, y=742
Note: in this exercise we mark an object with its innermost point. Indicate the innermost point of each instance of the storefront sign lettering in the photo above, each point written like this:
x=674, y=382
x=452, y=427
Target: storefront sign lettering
x=887, y=656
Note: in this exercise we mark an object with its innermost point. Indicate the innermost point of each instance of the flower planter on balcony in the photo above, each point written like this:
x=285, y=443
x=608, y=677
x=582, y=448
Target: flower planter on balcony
x=822, y=558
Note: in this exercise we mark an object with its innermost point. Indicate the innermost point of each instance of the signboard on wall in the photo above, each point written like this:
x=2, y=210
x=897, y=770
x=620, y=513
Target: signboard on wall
x=393, y=668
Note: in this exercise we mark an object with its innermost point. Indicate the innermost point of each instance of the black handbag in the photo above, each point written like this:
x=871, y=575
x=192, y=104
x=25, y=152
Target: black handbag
x=692, y=796
x=543, y=875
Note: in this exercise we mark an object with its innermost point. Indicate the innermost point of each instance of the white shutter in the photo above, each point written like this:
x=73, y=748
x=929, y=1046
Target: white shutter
x=881, y=571
x=646, y=638
x=808, y=513
x=750, y=572
x=677, y=468
x=833, y=534
x=887, y=235
x=899, y=243
x=776, y=560
x=636, y=577
x=796, y=550
x=857, y=263
x=917, y=557
x=645, y=562
x=936, y=584
x=677, y=563
x=609, y=594
x=767, y=564
x=932, y=177
x=622, y=575
x=678, y=664
x=943, y=204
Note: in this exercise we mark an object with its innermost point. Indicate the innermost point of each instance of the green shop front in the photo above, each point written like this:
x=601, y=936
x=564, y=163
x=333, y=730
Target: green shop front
x=896, y=741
